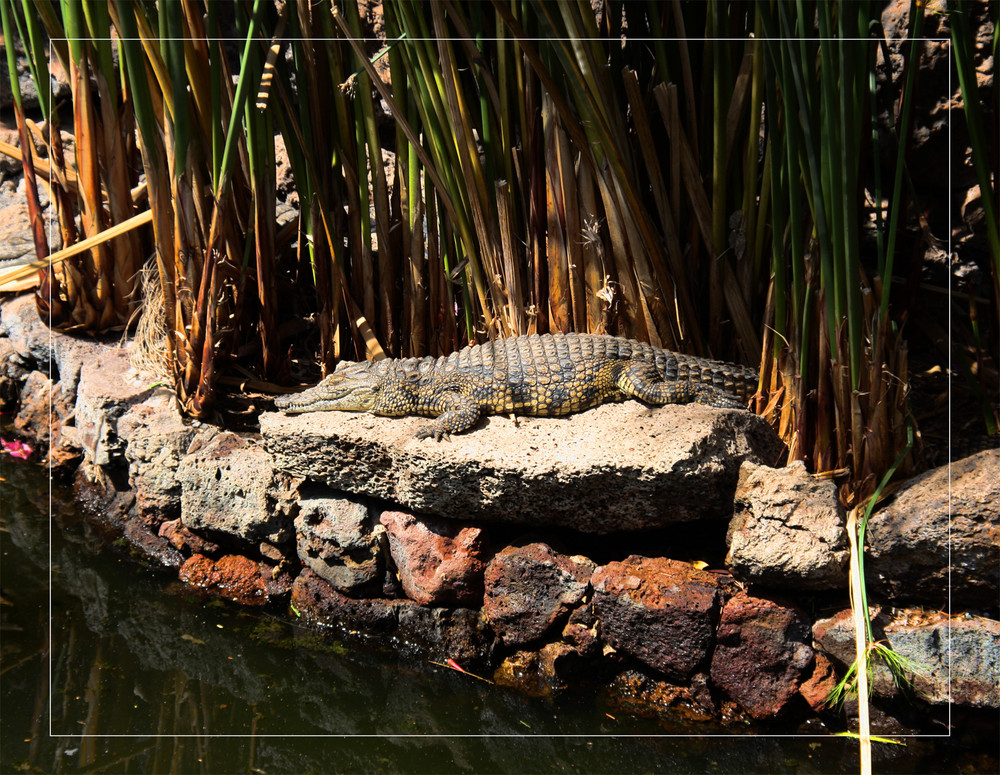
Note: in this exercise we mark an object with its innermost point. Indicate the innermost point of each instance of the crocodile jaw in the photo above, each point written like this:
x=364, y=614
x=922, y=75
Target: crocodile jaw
x=332, y=394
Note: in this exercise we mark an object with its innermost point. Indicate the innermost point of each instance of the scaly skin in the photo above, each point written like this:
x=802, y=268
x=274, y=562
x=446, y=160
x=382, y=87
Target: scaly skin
x=545, y=375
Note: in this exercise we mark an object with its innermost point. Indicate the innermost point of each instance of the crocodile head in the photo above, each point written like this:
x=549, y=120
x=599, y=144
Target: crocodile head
x=336, y=392
x=356, y=389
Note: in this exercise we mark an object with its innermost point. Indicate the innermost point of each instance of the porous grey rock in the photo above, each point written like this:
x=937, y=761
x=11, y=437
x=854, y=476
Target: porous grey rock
x=32, y=339
x=225, y=489
x=616, y=467
x=787, y=530
x=531, y=588
x=106, y=389
x=955, y=659
x=941, y=532
x=156, y=439
x=14, y=370
x=663, y=612
x=17, y=246
x=762, y=654
x=341, y=541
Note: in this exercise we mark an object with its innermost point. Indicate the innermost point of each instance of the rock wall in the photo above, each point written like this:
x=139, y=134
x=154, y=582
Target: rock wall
x=653, y=557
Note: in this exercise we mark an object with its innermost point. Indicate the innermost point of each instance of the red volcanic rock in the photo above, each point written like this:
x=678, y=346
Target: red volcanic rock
x=529, y=589
x=762, y=654
x=439, y=561
x=232, y=576
x=581, y=631
x=660, y=611
x=437, y=633
x=182, y=538
x=314, y=598
x=820, y=683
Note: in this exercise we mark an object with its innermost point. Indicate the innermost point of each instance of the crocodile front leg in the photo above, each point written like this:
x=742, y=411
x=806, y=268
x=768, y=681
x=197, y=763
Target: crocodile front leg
x=454, y=413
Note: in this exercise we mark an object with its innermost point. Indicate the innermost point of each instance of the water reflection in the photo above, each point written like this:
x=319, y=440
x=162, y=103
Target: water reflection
x=145, y=676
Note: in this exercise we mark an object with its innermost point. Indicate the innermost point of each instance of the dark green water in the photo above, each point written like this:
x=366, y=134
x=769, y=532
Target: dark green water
x=115, y=668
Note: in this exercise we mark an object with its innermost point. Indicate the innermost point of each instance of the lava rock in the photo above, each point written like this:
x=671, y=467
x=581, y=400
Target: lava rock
x=663, y=612
x=440, y=562
x=545, y=673
x=225, y=488
x=106, y=389
x=816, y=689
x=954, y=659
x=156, y=440
x=530, y=589
x=638, y=693
x=437, y=633
x=232, y=576
x=183, y=539
x=762, y=654
x=45, y=415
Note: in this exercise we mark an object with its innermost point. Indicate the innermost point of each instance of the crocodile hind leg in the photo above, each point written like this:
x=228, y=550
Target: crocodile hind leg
x=639, y=379
x=454, y=413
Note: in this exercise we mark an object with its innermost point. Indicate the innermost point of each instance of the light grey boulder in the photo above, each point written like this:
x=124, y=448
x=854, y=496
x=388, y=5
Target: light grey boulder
x=107, y=388
x=616, y=467
x=157, y=438
x=954, y=659
x=340, y=540
x=941, y=533
x=227, y=485
x=787, y=530
x=33, y=340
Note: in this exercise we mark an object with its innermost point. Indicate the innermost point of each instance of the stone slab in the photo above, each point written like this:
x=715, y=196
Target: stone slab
x=616, y=467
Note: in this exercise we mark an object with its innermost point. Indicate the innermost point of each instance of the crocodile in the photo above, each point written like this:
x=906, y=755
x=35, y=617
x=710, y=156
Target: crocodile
x=540, y=375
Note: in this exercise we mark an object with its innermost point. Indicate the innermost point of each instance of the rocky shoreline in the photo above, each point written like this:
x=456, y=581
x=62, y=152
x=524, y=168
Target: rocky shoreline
x=655, y=558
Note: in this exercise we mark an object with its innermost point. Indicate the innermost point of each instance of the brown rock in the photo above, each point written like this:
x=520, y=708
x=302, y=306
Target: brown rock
x=660, y=611
x=544, y=673
x=439, y=561
x=818, y=686
x=529, y=589
x=581, y=632
x=232, y=576
x=141, y=539
x=182, y=538
x=637, y=693
x=762, y=654
x=941, y=533
x=437, y=633
x=315, y=599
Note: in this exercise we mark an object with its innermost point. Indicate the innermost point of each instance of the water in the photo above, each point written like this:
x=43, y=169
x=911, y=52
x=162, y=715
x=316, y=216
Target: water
x=144, y=676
